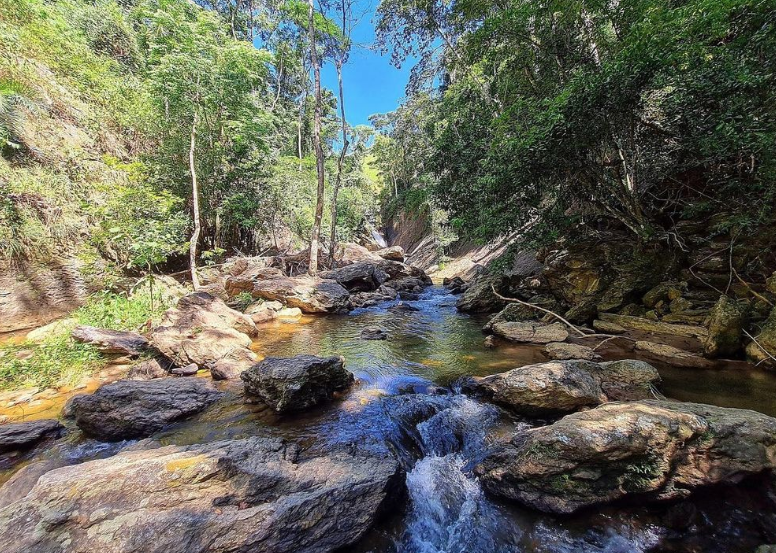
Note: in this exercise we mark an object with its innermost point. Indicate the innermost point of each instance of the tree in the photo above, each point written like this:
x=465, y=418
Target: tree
x=319, y=161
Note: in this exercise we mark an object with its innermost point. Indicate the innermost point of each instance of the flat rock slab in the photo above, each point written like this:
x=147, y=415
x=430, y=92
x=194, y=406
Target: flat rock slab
x=136, y=408
x=673, y=356
x=652, y=449
x=256, y=494
x=296, y=383
x=531, y=332
x=563, y=350
x=17, y=436
x=111, y=341
x=628, y=322
x=560, y=387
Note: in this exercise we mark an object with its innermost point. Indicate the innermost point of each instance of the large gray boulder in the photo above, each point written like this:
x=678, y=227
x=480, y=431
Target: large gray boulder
x=296, y=383
x=204, y=331
x=310, y=294
x=111, y=341
x=479, y=296
x=256, y=494
x=18, y=436
x=136, y=408
x=358, y=277
x=654, y=449
x=560, y=387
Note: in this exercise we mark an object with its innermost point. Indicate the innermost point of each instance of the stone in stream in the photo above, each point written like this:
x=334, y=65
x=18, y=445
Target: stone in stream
x=358, y=277
x=531, y=332
x=134, y=408
x=673, y=356
x=374, y=333
x=296, y=383
x=203, y=330
x=18, y=436
x=403, y=308
x=560, y=387
x=188, y=370
x=563, y=350
x=147, y=370
x=655, y=450
x=310, y=294
x=111, y=341
x=255, y=494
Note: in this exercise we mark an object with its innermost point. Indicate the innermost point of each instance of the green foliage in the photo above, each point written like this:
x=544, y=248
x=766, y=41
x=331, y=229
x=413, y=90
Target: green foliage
x=122, y=311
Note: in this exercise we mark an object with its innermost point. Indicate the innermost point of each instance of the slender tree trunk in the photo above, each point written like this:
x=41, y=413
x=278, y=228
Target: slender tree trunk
x=316, y=231
x=195, y=200
x=340, y=160
x=299, y=121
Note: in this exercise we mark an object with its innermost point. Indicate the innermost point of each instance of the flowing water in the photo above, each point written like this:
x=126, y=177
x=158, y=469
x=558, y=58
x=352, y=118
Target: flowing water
x=406, y=395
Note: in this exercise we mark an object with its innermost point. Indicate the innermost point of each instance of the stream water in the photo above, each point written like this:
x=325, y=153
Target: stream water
x=446, y=510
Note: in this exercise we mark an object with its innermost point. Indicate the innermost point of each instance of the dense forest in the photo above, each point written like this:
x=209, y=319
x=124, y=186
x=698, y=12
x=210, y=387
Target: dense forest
x=250, y=301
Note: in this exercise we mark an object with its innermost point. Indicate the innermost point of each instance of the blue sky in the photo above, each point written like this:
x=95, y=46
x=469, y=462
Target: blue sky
x=372, y=84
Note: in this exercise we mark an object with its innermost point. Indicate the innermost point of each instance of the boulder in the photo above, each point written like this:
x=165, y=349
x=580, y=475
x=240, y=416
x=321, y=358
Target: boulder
x=255, y=494
x=726, y=324
x=134, y=408
x=531, y=332
x=215, y=289
x=111, y=341
x=348, y=252
x=296, y=383
x=763, y=350
x=664, y=292
x=479, y=296
x=403, y=308
x=188, y=370
x=490, y=342
x=147, y=370
x=563, y=350
x=398, y=271
x=203, y=330
x=18, y=436
x=245, y=280
x=564, y=386
x=263, y=311
x=645, y=325
x=672, y=356
x=310, y=294
x=406, y=284
x=394, y=253
x=514, y=312
x=374, y=333
x=651, y=449
x=358, y=277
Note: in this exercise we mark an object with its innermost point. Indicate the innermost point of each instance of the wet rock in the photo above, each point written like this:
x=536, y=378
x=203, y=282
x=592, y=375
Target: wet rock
x=402, y=308
x=531, y=332
x=672, y=356
x=188, y=370
x=563, y=350
x=374, y=333
x=296, y=383
x=514, y=312
x=651, y=449
x=646, y=325
x=111, y=341
x=358, y=277
x=726, y=323
x=409, y=296
x=310, y=294
x=232, y=364
x=608, y=327
x=490, y=342
x=147, y=370
x=764, y=349
x=394, y=253
x=564, y=386
x=263, y=311
x=479, y=296
x=203, y=330
x=256, y=494
x=132, y=409
x=399, y=271
x=407, y=284
x=17, y=436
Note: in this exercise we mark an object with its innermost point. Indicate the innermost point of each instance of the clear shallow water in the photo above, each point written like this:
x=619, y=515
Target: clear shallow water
x=446, y=511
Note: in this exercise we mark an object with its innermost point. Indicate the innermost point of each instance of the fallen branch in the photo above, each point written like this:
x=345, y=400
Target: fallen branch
x=759, y=345
x=609, y=338
x=751, y=291
x=542, y=309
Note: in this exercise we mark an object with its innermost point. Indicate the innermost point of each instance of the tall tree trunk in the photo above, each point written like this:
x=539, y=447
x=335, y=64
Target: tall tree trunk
x=345, y=144
x=195, y=201
x=299, y=122
x=316, y=232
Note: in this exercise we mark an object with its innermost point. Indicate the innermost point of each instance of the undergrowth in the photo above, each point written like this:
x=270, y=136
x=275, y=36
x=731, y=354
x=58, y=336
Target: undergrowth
x=60, y=361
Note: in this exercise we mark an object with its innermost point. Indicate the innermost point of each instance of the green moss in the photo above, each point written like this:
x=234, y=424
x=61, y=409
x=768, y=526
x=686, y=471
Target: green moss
x=640, y=475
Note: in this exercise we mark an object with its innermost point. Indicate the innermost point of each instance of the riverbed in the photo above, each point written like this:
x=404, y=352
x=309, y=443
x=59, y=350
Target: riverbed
x=427, y=350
